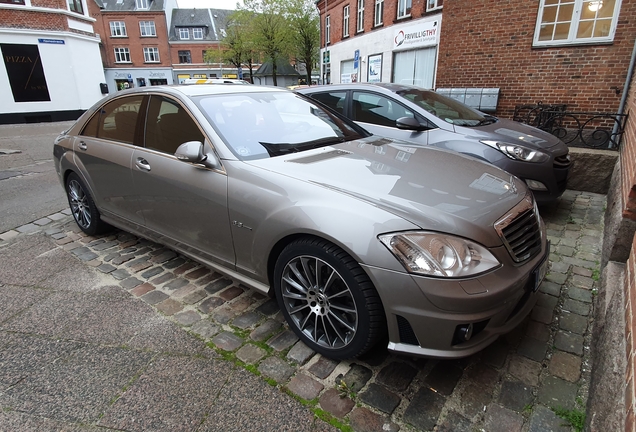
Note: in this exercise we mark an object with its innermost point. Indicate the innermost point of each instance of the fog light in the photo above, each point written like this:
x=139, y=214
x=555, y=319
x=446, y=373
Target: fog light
x=536, y=185
x=464, y=332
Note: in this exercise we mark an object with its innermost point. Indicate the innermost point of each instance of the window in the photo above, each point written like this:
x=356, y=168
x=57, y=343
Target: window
x=197, y=33
x=360, y=24
x=334, y=100
x=327, y=29
x=122, y=55
x=379, y=11
x=433, y=4
x=415, y=67
x=19, y=2
x=404, y=8
x=147, y=28
x=563, y=22
x=141, y=4
x=184, y=57
x=76, y=6
x=377, y=109
x=151, y=55
x=116, y=121
x=118, y=29
x=169, y=125
x=345, y=21
x=184, y=33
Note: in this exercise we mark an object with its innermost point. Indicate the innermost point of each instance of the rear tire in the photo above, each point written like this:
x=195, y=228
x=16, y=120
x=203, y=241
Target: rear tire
x=327, y=299
x=83, y=207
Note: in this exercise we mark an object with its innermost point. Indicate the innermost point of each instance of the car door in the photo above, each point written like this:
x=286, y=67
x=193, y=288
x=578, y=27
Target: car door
x=103, y=152
x=184, y=203
x=378, y=114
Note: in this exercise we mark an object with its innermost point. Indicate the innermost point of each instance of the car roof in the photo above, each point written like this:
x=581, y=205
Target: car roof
x=391, y=87
x=203, y=89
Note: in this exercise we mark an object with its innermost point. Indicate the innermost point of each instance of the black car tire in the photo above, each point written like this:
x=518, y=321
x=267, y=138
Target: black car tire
x=337, y=314
x=83, y=207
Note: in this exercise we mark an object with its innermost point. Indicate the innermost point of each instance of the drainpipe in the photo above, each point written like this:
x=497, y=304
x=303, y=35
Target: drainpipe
x=628, y=80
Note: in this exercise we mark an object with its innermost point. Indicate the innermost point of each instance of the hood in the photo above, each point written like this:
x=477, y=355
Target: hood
x=432, y=188
x=512, y=132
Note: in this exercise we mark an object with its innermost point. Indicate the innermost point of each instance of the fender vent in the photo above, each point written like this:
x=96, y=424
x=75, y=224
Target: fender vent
x=407, y=335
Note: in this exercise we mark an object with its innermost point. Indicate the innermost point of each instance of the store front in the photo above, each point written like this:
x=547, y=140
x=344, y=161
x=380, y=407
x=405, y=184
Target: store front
x=121, y=79
x=415, y=54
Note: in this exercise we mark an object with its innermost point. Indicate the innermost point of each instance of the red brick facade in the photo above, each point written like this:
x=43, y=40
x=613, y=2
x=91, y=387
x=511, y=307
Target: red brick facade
x=489, y=44
x=21, y=19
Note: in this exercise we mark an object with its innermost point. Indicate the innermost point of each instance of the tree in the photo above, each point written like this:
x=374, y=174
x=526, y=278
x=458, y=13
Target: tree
x=305, y=24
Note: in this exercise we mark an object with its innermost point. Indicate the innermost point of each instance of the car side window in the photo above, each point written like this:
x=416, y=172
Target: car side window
x=334, y=100
x=117, y=120
x=169, y=125
x=377, y=109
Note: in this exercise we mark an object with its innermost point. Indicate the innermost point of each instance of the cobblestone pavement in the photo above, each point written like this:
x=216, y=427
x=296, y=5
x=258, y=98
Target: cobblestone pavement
x=516, y=384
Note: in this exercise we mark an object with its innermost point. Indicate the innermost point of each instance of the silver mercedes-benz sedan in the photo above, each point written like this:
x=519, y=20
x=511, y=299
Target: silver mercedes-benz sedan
x=356, y=236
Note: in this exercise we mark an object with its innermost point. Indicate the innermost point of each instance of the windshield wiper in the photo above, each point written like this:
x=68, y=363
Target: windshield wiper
x=278, y=149
x=488, y=119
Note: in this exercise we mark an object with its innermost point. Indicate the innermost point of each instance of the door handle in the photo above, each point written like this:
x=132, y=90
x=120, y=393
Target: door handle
x=142, y=164
x=82, y=145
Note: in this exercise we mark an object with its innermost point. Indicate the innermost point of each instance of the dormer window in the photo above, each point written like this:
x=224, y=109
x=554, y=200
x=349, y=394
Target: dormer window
x=197, y=33
x=142, y=4
x=184, y=34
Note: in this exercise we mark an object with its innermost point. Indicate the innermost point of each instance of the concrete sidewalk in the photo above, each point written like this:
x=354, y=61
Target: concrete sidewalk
x=119, y=332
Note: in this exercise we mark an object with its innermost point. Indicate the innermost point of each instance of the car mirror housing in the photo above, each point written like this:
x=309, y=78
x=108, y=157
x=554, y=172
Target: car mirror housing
x=191, y=151
x=409, y=123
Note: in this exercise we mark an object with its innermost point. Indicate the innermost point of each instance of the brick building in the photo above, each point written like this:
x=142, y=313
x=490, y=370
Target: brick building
x=134, y=35
x=51, y=68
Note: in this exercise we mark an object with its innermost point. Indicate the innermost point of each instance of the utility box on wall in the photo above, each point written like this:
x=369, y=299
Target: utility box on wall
x=483, y=99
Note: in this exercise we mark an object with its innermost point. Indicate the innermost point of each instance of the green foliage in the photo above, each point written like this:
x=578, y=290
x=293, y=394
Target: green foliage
x=596, y=275
x=575, y=417
x=345, y=390
x=328, y=418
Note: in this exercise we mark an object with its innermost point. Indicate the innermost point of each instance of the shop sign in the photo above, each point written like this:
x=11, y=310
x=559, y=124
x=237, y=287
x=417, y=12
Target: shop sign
x=52, y=41
x=375, y=68
x=416, y=35
x=25, y=71
x=157, y=74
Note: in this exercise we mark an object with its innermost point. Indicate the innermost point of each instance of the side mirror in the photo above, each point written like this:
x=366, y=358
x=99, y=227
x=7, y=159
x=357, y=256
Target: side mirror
x=192, y=152
x=409, y=123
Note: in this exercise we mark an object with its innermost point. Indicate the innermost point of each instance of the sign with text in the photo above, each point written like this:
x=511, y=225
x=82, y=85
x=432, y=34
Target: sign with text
x=26, y=75
x=375, y=68
x=417, y=35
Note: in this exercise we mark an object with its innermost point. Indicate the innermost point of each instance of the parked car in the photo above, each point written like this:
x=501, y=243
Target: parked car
x=428, y=118
x=354, y=234
x=214, y=81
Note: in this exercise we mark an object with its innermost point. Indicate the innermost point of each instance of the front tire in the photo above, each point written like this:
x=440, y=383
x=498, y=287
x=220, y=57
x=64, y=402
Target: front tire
x=327, y=299
x=83, y=207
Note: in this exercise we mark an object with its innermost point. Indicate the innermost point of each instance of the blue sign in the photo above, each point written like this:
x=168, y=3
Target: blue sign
x=356, y=59
x=240, y=72
x=52, y=41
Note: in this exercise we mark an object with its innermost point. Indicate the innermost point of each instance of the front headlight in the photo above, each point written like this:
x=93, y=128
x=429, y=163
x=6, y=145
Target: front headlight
x=518, y=152
x=434, y=254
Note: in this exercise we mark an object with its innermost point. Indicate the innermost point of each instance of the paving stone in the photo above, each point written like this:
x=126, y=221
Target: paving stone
x=538, y=331
x=283, y=340
x=142, y=289
x=555, y=392
x=550, y=288
x=110, y=257
x=62, y=241
x=532, y=348
x=582, y=271
x=207, y=279
x=152, y=272
x=356, y=377
x=573, y=323
x=580, y=294
x=169, y=306
x=265, y=330
x=276, y=369
x=424, y=409
x=582, y=281
x=28, y=228
x=300, y=353
x=543, y=419
x=500, y=419
x=247, y=320
x=376, y=355
x=558, y=278
x=542, y=314
x=154, y=297
x=88, y=256
x=474, y=399
x=137, y=261
x=105, y=245
x=525, y=370
x=569, y=342
x=173, y=263
x=93, y=263
x=187, y=318
x=566, y=366
x=335, y=405
x=560, y=267
x=396, y=376
x=270, y=307
x=240, y=305
x=57, y=216
x=381, y=398
x=163, y=257
x=185, y=291
x=364, y=420
x=231, y=293
x=227, y=341
x=444, y=376
x=218, y=285
x=163, y=278
x=305, y=387
x=123, y=259
x=210, y=304
x=120, y=274
x=194, y=297
x=223, y=315
x=515, y=395
x=205, y=329
x=175, y=284
x=496, y=354
x=106, y=268
x=250, y=353
x=546, y=300
x=130, y=283
x=323, y=367
x=198, y=273
x=184, y=268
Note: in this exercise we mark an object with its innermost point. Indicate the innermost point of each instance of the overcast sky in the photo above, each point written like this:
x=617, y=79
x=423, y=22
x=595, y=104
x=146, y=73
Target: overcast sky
x=204, y=4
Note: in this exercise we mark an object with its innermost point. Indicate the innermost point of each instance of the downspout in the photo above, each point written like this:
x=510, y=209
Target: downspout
x=628, y=81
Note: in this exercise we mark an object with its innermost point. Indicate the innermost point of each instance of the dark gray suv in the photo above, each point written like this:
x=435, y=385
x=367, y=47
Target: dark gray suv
x=428, y=118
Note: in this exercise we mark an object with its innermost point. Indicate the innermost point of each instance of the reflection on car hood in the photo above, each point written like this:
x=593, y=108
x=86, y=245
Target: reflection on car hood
x=512, y=132
x=432, y=188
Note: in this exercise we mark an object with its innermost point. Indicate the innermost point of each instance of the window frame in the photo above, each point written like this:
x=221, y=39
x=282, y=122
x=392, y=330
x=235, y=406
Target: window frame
x=144, y=26
x=327, y=29
x=378, y=13
x=184, y=31
x=196, y=30
x=150, y=52
x=436, y=4
x=75, y=6
x=113, y=28
x=408, y=5
x=360, y=17
x=574, y=22
x=125, y=51
x=180, y=55
x=142, y=4
x=13, y=2
x=346, y=14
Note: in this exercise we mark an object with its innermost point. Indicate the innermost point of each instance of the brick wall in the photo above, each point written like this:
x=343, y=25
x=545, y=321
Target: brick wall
x=196, y=53
x=53, y=4
x=489, y=44
x=22, y=19
x=628, y=157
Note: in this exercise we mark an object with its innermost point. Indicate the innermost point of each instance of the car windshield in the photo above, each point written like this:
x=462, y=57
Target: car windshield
x=268, y=124
x=447, y=109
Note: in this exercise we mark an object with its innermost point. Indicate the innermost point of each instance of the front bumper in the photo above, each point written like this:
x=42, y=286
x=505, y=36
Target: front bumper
x=424, y=314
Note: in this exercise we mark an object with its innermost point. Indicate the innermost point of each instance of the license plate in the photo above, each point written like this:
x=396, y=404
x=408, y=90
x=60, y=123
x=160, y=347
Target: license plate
x=540, y=273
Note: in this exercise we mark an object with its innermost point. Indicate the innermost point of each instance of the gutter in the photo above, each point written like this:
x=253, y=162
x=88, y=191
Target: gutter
x=628, y=81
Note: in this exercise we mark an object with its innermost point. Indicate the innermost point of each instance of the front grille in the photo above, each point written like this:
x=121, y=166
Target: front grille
x=520, y=231
x=562, y=161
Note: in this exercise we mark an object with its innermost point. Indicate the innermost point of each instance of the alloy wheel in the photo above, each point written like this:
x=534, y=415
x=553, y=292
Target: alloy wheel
x=79, y=204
